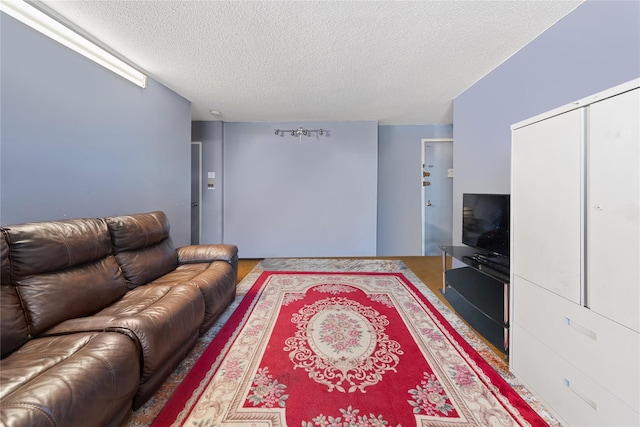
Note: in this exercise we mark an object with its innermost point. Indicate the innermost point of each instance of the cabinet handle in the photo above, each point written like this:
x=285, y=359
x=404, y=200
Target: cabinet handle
x=581, y=395
x=578, y=327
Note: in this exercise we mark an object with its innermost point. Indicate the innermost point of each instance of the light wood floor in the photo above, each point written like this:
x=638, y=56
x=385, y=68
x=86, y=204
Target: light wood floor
x=427, y=268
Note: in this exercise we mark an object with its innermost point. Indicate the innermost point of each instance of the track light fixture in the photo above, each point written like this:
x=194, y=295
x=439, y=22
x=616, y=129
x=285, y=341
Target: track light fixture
x=298, y=132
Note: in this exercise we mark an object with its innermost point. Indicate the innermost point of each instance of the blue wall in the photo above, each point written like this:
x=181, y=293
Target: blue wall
x=595, y=47
x=289, y=198
x=399, y=192
x=79, y=141
x=400, y=188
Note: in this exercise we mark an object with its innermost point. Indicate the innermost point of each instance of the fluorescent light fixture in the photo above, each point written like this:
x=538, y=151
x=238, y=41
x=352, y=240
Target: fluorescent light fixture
x=53, y=29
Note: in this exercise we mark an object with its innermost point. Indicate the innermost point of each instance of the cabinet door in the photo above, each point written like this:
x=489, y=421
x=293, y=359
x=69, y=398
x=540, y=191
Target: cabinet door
x=613, y=212
x=547, y=158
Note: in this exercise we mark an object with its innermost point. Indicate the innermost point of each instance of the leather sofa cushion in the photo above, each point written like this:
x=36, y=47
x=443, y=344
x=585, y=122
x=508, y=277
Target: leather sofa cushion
x=75, y=292
x=62, y=269
x=42, y=247
x=137, y=231
x=215, y=280
x=73, y=380
x=161, y=319
x=13, y=326
x=142, y=246
x=146, y=264
x=5, y=267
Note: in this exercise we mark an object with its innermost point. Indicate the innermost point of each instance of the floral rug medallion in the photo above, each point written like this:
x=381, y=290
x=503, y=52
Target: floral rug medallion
x=342, y=343
x=341, y=349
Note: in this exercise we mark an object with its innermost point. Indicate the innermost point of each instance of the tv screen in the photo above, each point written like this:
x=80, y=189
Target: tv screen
x=485, y=222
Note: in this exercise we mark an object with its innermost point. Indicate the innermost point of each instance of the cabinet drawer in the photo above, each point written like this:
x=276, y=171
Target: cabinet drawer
x=600, y=348
x=572, y=395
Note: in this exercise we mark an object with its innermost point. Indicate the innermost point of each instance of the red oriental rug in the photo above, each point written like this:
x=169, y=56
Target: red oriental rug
x=341, y=349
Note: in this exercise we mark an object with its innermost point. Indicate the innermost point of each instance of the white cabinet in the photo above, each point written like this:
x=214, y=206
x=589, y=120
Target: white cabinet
x=575, y=258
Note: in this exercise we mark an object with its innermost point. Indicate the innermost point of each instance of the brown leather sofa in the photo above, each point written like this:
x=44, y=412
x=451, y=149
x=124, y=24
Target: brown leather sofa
x=97, y=312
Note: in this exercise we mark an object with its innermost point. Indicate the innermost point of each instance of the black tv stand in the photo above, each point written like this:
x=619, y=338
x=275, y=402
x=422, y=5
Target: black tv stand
x=481, y=255
x=479, y=292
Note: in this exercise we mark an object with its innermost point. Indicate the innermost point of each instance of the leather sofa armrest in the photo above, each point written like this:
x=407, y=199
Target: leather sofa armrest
x=207, y=253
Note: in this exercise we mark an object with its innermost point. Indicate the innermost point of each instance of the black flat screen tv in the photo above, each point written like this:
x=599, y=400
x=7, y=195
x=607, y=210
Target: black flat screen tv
x=485, y=223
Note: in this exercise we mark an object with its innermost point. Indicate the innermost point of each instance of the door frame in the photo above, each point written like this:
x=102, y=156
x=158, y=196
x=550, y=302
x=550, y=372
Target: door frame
x=423, y=141
x=199, y=144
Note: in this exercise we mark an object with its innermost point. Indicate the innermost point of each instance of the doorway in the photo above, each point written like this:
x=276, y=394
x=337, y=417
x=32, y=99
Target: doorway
x=196, y=191
x=437, y=194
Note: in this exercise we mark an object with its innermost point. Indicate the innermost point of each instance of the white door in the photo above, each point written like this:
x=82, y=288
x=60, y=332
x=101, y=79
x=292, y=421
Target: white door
x=437, y=194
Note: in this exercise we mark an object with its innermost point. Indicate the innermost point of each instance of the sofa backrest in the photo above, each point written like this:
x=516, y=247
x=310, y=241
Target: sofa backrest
x=13, y=325
x=142, y=246
x=62, y=270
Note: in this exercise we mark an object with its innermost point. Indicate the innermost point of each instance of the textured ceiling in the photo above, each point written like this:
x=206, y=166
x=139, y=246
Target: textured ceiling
x=393, y=61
